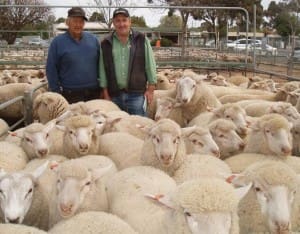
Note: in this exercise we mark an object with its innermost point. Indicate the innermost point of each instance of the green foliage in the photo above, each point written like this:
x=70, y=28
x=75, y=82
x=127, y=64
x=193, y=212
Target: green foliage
x=138, y=21
x=173, y=21
x=97, y=17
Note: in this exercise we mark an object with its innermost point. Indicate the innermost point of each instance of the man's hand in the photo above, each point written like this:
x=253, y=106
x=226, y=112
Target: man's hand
x=149, y=93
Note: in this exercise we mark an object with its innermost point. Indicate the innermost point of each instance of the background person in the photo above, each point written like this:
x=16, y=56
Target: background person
x=127, y=66
x=73, y=61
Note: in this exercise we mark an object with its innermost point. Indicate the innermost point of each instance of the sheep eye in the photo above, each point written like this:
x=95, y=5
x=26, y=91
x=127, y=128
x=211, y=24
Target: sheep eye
x=199, y=143
x=194, y=141
x=70, y=132
x=187, y=213
x=47, y=135
x=221, y=135
x=161, y=81
x=257, y=189
x=88, y=183
x=28, y=139
x=29, y=191
x=1, y=192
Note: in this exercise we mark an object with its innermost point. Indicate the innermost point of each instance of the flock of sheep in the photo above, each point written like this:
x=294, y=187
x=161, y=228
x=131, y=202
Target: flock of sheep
x=217, y=155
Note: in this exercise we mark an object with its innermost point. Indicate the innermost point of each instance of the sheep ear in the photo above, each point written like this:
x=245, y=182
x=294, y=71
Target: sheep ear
x=238, y=180
x=97, y=173
x=16, y=134
x=144, y=128
x=40, y=170
x=188, y=130
x=242, y=191
x=50, y=125
x=63, y=116
x=161, y=199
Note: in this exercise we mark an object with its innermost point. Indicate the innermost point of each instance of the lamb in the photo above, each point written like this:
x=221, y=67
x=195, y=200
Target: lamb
x=92, y=222
x=219, y=80
x=270, y=134
x=10, y=91
x=101, y=104
x=48, y=106
x=229, y=111
x=269, y=206
x=201, y=206
x=168, y=107
x=163, y=82
x=80, y=186
x=164, y=146
x=239, y=80
x=123, y=148
x=79, y=136
x=129, y=124
x=126, y=194
x=199, y=140
x=267, y=85
x=194, y=97
x=24, y=200
x=200, y=165
x=12, y=157
x=9, y=228
x=224, y=133
x=245, y=96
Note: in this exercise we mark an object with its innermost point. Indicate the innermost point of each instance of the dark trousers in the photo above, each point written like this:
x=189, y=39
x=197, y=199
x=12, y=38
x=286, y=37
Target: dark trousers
x=85, y=94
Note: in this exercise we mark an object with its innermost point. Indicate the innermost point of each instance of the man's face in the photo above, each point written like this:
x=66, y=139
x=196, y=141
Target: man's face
x=122, y=25
x=75, y=25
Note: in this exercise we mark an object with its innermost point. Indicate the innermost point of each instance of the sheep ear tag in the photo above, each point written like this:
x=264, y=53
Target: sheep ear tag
x=161, y=199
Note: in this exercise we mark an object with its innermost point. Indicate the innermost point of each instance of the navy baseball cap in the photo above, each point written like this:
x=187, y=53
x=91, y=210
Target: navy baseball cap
x=77, y=12
x=122, y=11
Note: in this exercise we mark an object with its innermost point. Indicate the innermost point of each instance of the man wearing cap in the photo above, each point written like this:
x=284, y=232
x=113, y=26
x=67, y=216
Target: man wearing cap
x=127, y=66
x=73, y=61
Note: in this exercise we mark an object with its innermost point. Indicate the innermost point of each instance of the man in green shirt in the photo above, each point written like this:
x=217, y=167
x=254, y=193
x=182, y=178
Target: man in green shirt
x=127, y=66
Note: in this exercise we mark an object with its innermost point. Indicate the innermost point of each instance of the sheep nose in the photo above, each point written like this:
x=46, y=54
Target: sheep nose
x=216, y=153
x=166, y=158
x=83, y=146
x=156, y=118
x=66, y=207
x=286, y=150
x=185, y=100
x=15, y=220
x=241, y=145
x=282, y=227
x=43, y=152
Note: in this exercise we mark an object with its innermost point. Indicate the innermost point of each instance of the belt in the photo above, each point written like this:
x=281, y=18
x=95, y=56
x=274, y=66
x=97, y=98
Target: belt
x=82, y=90
x=124, y=90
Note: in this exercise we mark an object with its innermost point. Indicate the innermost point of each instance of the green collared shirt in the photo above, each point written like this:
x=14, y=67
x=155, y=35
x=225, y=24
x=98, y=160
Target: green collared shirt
x=121, y=54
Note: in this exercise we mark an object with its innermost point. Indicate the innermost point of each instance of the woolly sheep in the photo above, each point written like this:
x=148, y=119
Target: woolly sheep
x=200, y=165
x=12, y=157
x=244, y=96
x=296, y=137
x=229, y=111
x=48, y=106
x=269, y=206
x=167, y=107
x=270, y=134
x=199, y=140
x=219, y=80
x=164, y=146
x=80, y=186
x=101, y=104
x=130, y=125
x=194, y=97
x=23, y=199
x=163, y=82
x=224, y=133
x=92, y=222
x=267, y=85
x=126, y=194
x=9, y=228
x=238, y=80
x=10, y=91
x=123, y=148
x=80, y=136
x=239, y=162
x=206, y=205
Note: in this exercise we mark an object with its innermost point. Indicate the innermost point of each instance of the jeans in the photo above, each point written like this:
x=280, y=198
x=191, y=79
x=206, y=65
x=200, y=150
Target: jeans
x=132, y=103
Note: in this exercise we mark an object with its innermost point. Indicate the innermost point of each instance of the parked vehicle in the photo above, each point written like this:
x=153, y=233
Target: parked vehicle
x=263, y=49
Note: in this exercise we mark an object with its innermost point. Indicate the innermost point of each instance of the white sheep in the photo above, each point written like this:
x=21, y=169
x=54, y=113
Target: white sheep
x=200, y=165
x=167, y=107
x=101, y=104
x=80, y=136
x=123, y=148
x=267, y=85
x=229, y=111
x=92, y=222
x=269, y=206
x=238, y=80
x=126, y=195
x=9, y=228
x=12, y=157
x=206, y=205
x=224, y=133
x=23, y=199
x=163, y=82
x=48, y=106
x=164, y=146
x=296, y=137
x=80, y=186
x=199, y=140
x=270, y=134
x=195, y=97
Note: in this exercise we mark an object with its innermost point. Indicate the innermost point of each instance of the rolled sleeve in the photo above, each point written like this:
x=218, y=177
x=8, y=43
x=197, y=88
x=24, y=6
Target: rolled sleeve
x=150, y=63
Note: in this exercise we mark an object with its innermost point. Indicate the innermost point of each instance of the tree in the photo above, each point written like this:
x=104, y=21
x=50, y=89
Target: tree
x=173, y=21
x=18, y=17
x=137, y=21
x=96, y=17
x=107, y=12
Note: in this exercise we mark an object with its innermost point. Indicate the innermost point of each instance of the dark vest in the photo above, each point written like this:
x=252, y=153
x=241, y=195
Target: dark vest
x=137, y=78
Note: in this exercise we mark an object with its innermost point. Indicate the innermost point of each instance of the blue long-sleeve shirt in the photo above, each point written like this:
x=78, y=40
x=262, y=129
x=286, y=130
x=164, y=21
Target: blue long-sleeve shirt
x=73, y=64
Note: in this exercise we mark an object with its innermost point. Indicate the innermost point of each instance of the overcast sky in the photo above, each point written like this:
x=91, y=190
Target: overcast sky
x=150, y=18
